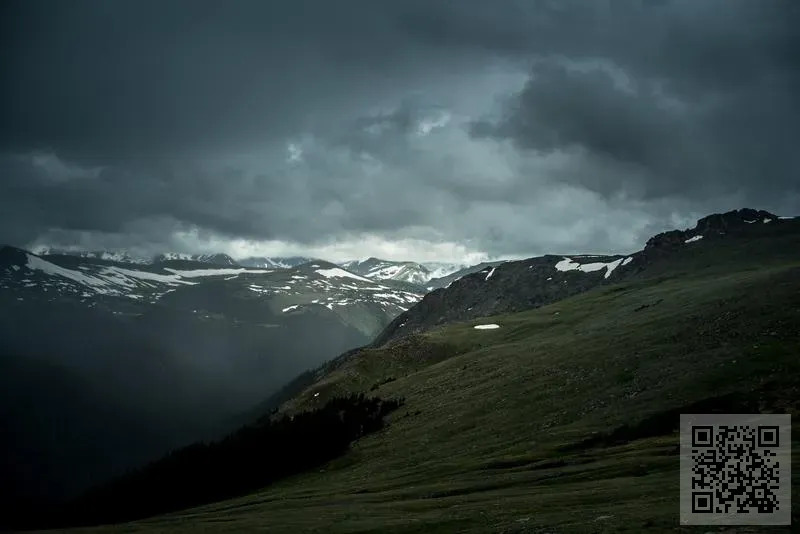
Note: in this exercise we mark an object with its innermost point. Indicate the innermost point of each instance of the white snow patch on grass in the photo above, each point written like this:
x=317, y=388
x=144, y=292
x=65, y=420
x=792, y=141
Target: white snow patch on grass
x=290, y=308
x=750, y=222
x=144, y=275
x=568, y=265
x=627, y=260
x=613, y=265
x=767, y=220
x=694, y=239
x=490, y=274
x=486, y=326
x=37, y=263
x=341, y=273
x=215, y=272
x=385, y=272
x=347, y=286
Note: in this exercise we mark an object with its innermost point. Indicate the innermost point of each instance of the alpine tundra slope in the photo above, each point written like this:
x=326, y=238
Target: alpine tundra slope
x=552, y=405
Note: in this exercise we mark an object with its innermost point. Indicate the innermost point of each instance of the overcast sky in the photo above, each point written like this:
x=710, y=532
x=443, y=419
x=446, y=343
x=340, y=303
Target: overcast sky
x=406, y=129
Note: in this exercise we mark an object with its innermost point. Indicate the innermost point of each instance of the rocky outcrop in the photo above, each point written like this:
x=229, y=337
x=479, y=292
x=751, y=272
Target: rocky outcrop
x=12, y=256
x=713, y=226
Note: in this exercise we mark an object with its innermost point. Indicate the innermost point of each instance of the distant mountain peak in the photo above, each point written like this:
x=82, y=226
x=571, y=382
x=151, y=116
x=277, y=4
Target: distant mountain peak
x=212, y=259
x=275, y=262
x=399, y=271
x=107, y=255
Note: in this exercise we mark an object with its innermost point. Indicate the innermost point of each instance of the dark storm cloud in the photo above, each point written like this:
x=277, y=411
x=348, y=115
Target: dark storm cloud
x=705, y=100
x=96, y=79
x=309, y=120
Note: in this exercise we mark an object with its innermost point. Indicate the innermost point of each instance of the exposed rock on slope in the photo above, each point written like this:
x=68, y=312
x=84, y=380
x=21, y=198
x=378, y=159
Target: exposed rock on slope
x=509, y=287
x=715, y=226
x=519, y=285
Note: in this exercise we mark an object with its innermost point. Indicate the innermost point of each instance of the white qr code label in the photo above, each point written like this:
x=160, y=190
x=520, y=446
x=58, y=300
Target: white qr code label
x=736, y=469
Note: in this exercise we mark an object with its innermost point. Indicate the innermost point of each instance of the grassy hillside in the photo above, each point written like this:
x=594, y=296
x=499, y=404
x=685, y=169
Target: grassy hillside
x=562, y=420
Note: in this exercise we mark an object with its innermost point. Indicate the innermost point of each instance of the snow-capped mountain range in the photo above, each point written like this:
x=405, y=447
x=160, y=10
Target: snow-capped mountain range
x=213, y=259
x=372, y=268
x=25, y=276
x=182, y=344
x=118, y=256
x=402, y=271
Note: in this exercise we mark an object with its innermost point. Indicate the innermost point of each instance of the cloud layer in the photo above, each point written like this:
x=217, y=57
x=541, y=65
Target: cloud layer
x=415, y=129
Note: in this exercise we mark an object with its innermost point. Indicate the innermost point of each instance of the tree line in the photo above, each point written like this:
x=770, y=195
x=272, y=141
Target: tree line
x=247, y=460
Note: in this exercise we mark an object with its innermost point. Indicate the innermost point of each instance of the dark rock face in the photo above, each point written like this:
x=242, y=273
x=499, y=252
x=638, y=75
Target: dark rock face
x=711, y=227
x=12, y=256
x=732, y=221
x=667, y=240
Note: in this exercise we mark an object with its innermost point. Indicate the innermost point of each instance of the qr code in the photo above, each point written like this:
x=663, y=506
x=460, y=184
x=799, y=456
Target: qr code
x=735, y=469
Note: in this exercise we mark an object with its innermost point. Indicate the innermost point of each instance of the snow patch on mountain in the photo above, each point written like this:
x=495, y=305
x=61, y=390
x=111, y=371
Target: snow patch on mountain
x=99, y=280
x=195, y=273
x=340, y=273
x=173, y=279
x=439, y=269
x=568, y=264
x=37, y=263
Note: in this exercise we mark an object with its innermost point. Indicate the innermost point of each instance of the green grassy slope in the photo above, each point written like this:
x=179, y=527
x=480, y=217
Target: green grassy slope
x=486, y=440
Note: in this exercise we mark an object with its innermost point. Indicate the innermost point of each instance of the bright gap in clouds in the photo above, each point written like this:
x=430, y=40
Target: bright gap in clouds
x=352, y=248
x=192, y=241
